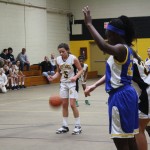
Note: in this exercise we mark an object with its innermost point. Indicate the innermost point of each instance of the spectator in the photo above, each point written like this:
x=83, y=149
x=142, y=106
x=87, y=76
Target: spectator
x=22, y=57
x=10, y=79
x=53, y=63
x=20, y=75
x=3, y=81
x=14, y=75
x=3, y=56
x=46, y=68
x=10, y=56
x=1, y=62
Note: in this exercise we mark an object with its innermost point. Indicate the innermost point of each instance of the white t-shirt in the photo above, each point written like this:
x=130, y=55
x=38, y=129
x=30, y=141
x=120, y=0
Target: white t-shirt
x=3, y=79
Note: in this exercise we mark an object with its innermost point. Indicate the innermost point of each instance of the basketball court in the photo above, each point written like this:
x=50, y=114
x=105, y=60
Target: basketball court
x=28, y=123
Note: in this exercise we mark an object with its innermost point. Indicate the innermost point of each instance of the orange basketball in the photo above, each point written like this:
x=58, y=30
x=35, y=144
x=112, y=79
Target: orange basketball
x=55, y=101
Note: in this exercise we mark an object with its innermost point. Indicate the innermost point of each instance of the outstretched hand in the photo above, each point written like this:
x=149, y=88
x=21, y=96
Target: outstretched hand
x=89, y=89
x=87, y=16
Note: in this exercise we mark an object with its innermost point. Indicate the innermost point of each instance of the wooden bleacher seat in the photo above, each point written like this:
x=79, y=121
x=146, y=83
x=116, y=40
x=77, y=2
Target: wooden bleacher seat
x=34, y=76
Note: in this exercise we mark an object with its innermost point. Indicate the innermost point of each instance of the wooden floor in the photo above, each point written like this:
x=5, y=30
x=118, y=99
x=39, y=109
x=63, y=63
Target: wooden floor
x=34, y=76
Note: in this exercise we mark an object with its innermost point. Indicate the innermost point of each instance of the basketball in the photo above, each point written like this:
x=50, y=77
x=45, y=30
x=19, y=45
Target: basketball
x=55, y=101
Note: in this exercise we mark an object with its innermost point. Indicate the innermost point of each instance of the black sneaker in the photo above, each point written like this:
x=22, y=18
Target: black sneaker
x=77, y=130
x=23, y=86
x=17, y=87
x=87, y=102
x=77, y=104
x=8, y=87
x=61, y=130
x=13, y=87
x=148, y=130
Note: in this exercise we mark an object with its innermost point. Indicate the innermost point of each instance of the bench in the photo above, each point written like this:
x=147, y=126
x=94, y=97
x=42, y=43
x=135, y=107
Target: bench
x=34, y=76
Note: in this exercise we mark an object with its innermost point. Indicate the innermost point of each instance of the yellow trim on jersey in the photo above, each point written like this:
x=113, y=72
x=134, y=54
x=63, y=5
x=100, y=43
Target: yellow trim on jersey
x=121, y=63
x=125, y=135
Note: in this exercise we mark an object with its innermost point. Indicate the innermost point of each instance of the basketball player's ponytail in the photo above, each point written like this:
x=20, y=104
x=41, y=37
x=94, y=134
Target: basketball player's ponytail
x=129, y=29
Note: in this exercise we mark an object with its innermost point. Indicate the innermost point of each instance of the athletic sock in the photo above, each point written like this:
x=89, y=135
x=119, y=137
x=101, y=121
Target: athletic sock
x=65, y=121
x=77, y=121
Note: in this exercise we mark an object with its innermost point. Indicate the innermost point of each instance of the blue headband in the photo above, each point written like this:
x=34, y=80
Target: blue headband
x=116, y=30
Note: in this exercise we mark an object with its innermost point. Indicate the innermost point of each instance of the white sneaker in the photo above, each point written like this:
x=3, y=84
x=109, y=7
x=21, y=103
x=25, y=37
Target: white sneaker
x=61, y=130
x=77, y=130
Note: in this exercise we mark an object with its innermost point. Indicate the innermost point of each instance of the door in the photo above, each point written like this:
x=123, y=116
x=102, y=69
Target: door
x=98, y=59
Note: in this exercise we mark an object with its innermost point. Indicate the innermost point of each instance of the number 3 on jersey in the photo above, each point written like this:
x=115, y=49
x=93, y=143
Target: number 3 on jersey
x=65, y=74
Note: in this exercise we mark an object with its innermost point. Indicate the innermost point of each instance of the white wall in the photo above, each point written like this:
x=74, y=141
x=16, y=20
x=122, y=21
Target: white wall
x=39, y=28
x=57, y=31
x=57, y=24
x=44, y=25
x=23, y=26
x=36, y=34
x=111, y=8
x=11, y=27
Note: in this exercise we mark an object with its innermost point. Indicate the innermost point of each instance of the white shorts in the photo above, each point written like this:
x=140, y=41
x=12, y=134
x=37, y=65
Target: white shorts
x=68, y=90
x=141, y=114
x=116, y=128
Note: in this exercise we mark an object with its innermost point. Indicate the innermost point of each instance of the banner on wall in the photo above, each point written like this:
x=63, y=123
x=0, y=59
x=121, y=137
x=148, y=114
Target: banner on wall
x=105, y=25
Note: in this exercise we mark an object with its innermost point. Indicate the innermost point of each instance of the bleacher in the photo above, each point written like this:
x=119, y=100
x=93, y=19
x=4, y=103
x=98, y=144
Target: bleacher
x=34, y=76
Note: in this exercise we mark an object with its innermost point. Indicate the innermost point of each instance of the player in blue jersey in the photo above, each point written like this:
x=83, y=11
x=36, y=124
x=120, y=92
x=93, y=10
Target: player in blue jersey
x=123, y=99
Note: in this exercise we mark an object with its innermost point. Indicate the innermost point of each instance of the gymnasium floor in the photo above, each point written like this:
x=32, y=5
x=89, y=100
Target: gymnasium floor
x=28, y=123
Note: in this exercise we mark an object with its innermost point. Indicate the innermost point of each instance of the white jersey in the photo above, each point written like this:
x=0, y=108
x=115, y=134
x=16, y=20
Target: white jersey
x=119, y=74
x=85, y=66
x=67, y=67
x=147, y=64
x=141, y=68
x=16, y=69
x=141, y=83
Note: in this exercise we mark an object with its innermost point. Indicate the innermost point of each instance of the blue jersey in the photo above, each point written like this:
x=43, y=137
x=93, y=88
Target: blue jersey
x=119, y=74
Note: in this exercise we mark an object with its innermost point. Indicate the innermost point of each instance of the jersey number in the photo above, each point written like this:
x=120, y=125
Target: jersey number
x=130, y=71
x=65, y=74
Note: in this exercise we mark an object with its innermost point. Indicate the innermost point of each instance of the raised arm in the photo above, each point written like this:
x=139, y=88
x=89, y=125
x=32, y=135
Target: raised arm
x=118, y=50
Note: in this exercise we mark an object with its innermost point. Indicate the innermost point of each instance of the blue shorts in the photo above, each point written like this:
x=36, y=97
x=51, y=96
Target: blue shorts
x=123, y=112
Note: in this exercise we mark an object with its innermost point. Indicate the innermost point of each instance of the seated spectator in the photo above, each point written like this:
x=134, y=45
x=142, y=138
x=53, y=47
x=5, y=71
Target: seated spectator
x=22, y=57
x=3, y=81
x=53, y=63
x=14, y=75
x=10, y=79
x=46, y=68
x=10, y=56
x=20, y=75
x=3, y=56
x=1, y=62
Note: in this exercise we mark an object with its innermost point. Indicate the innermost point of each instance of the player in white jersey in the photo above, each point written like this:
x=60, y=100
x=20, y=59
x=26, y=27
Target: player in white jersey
x=147, y=60
x=141, y=78
x=83, y=77
x=67, y=66
x=123, y=99
x=3, y=81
